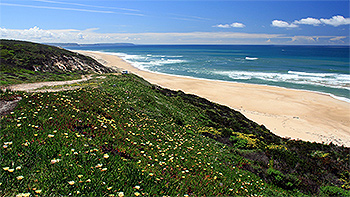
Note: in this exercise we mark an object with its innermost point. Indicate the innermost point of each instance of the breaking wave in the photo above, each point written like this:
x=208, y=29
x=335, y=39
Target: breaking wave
x=320, y=79
x=145, y=62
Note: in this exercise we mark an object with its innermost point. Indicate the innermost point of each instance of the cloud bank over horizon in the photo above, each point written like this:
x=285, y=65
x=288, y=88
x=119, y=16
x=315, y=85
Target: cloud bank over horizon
x=89, y=36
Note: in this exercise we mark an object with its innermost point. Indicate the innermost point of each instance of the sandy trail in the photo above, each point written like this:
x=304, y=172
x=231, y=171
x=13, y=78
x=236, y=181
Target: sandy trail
x=289, y=113
x=8, y=106
x=31, y=87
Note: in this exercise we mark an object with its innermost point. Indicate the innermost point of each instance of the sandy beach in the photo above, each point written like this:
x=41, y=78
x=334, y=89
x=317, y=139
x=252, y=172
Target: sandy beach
x=288, y=113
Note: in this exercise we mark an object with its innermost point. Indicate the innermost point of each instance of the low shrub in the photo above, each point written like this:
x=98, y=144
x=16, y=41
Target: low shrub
x=333, y=191
x=239, y=142
x=285, y=181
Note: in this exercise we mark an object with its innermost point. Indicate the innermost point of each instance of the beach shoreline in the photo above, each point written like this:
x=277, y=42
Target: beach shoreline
x=295, y=114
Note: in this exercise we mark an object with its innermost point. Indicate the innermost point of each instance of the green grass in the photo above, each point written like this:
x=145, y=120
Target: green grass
x=126, y=135
x=10, y=76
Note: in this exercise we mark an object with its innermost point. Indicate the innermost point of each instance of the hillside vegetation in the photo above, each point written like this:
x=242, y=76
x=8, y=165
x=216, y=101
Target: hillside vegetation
x=23, y=62
x=124, y=136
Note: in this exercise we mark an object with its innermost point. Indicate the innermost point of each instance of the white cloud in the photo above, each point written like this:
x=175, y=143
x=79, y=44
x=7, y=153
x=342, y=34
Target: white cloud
x=308, y=21
x=40, y=35
x=188, y=17
x=304, y=39
x=85, y=5
x=36, y=34
x=87, y=36
x=223, y=26
x=338, y=38
x=283, y=24
x=33, y=33
x=73, y=9
x=336, y=21
x=236, y=25
x=315, y=39
x=55, y=8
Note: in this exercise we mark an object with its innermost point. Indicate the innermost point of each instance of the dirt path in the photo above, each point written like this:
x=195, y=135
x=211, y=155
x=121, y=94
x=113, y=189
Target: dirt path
x=31, y=87
x=8, y=106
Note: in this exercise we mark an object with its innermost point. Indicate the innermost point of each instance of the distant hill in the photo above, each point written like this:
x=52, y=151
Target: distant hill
x=87, y=45
x=28, y=62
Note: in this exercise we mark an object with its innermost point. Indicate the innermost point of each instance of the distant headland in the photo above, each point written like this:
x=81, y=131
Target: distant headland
x=88, y=45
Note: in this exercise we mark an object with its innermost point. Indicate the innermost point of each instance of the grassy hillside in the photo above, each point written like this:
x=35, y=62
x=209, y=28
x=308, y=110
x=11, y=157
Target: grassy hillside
x=23, y=62
x=126, y=136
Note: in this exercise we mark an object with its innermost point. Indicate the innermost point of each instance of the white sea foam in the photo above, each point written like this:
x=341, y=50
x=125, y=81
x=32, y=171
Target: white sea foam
x=320, y=79
x=332, y=80
x=145, y=62
x=312, y=74
x=340, y=98
x=251, y=58
x=167, y=56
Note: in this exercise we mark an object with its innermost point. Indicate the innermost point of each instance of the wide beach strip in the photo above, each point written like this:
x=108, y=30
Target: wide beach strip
x=290, y=113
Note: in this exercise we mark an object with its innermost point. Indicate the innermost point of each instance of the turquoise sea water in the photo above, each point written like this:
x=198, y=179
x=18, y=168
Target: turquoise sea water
x=315, y=68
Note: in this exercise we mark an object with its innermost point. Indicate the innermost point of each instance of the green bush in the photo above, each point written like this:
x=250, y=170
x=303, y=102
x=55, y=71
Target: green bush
x=285, y=181
x=238, y=142
x=276, y=176
x=333, y=191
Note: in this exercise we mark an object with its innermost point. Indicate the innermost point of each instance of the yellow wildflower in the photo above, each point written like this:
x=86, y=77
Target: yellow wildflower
x=23, y=195
x=71, y=182
x=20, y=177
x=98, y=166
x=53, y=161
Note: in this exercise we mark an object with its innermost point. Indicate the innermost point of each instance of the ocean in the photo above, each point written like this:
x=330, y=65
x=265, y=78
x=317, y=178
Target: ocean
x=323, y=69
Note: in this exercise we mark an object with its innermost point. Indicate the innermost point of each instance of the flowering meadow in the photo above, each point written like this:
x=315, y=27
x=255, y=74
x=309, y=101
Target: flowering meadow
x=124, y=137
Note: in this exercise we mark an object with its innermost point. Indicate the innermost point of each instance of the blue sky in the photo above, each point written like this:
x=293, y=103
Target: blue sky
x=176, y=22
